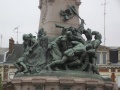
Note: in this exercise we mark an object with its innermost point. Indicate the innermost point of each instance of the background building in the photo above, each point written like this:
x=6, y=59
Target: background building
x=15, y=51
x=108, y=61
x=3, y=52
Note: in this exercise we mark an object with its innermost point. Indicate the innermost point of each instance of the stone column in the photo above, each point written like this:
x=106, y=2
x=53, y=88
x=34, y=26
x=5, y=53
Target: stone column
x=91, y=84
x=38, y=83
x=109, y=86
x=100, y=86
x=5, y=74
x=17, y=84
x=52, y=84
x=115, y=86
x=50, y=15
x=66, y=83
x=27, y=84
x=79, y=84
x=4, y=82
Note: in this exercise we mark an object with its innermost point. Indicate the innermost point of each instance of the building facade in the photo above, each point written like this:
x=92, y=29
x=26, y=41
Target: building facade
x=15, y=51
x=108, y=61
x=3, y=52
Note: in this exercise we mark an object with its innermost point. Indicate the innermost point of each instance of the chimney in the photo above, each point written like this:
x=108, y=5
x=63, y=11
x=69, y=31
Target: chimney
x=11, y=45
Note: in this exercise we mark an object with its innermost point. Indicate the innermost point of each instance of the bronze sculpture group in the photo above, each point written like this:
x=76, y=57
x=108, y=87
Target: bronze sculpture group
x=69, y=51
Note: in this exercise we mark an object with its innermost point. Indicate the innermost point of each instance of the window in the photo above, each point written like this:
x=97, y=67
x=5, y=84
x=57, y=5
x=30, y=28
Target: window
x=104, y=57
x=101, y=58
x=118, y=81
x=113, y=55
x=98, y=57
x=11, y=76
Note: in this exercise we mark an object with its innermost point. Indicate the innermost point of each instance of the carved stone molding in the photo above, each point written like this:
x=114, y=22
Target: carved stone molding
x=51, y=1
x=78, y=2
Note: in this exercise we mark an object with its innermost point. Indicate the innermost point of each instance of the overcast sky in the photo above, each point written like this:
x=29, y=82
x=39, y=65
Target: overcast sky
x=26, y=15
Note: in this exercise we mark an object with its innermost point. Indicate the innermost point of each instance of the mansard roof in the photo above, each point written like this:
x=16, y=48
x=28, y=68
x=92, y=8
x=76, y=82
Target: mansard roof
x=3, y=50
x=101, y=48
x=2, y=53
x=17, y=53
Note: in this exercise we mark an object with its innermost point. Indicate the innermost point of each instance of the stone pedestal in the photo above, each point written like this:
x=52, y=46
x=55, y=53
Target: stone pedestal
x=61, y=83
x=50, y=15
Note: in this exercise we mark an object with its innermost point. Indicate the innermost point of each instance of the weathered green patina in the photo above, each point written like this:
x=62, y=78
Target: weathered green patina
x=69, y=51
x=67, y=55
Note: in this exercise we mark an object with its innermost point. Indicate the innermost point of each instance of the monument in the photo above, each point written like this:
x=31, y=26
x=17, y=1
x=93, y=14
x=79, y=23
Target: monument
x=60, y=58
x=50, y=15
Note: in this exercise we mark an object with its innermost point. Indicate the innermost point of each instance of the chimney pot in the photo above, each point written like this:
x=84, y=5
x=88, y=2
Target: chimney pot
x=11, y=45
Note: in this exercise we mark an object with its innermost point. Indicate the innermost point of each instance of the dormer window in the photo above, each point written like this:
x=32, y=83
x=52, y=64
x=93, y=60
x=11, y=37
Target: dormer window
x=113, y=54
x=101, y=57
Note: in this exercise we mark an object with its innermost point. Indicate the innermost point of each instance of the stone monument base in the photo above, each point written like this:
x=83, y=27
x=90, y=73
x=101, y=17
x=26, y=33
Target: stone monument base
x=61, y=83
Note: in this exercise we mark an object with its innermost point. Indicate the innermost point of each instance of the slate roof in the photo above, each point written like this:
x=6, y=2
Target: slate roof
x=113, y=47
x=2, y=53
x=1, y=58
x=17, y=53
x=108, y=47
x=3, y=50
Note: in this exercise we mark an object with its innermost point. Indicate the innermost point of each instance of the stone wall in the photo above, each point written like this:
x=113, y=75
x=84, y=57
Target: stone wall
x=61, y=83
x=50, y=15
